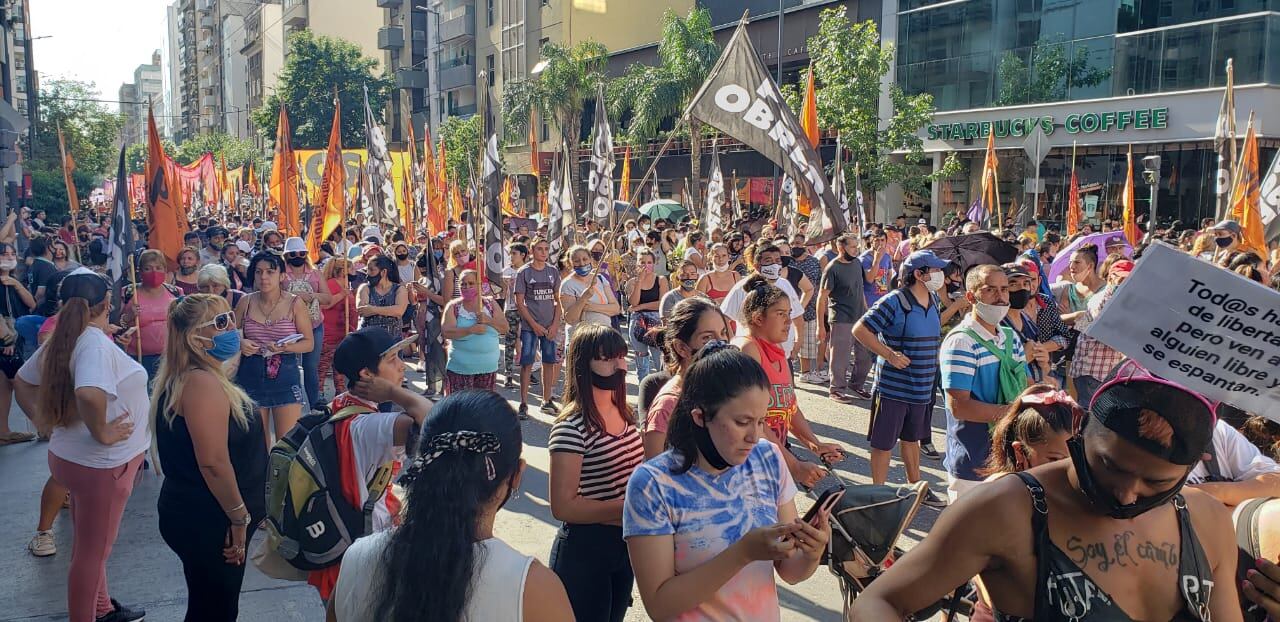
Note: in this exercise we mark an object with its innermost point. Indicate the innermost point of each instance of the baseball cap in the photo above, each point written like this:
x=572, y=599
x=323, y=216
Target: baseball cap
x=216, y=231
x=1230, y=226
x=1130, y=390
x=1122, y=267
x=267, y=225
x=363, y=349
x=922, y=259
x=83, y=283
x=1015, y=269
x=371, y=231
x=244, y=246
x=295, y=245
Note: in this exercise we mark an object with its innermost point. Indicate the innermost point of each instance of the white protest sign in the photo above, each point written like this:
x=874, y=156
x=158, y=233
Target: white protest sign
x=1209, y=329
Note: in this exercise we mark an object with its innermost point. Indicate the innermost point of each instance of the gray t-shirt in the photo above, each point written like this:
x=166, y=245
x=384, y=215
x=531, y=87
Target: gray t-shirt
x=577, y=289
x=843, y=282
x=672, y=298
x=539, y=290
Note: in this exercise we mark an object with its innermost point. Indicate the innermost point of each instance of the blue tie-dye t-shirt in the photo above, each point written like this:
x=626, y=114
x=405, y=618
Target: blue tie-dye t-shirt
x=706, y=514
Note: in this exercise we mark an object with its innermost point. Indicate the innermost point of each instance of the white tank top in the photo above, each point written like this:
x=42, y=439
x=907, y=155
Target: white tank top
x=497, y=593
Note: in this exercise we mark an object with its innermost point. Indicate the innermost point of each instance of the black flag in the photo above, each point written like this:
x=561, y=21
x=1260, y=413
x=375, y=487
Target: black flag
x=488, y=193
x=600, y=182
x=120, y=241
x=740, y=99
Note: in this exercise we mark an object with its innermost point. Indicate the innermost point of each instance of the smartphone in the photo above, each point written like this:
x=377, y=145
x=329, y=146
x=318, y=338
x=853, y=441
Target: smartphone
x=826, y=502
x=288, y=340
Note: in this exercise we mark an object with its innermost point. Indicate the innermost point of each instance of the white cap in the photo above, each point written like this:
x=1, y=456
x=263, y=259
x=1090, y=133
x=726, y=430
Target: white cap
x=244, y=246
x=372, y=231
x=267, y=225
x=295, y=245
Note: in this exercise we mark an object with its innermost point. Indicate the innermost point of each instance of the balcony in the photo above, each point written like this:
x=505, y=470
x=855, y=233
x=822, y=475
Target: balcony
x=209, y=101
x=457, y=73
x=463, y=111
x=295, y=13
x=388, y=4
x=461, y=24
x=207, y=22
x=412, y=79
x=206, y=6
x=390, y=37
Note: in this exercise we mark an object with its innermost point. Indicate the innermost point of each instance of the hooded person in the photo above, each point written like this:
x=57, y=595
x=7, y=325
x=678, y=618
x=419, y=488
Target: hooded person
x=1111, y=533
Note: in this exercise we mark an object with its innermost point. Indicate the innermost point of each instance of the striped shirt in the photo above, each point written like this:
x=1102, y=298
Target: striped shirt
x=969, y=366
x=913, y=330
x=607, y=460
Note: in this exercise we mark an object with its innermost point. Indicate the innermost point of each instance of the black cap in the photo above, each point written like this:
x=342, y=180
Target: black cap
x=363, y=349
x=215, y=231
x=87, y=285
x=1119, y=405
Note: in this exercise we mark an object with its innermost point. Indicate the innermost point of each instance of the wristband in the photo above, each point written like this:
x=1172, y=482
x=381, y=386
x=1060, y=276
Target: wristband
x=244, y=521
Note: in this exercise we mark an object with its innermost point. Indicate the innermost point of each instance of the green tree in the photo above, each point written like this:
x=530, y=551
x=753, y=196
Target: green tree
x=461, y=147
x=316, y=66
x=647, y=97
x=558, y=93
x=849, y=64
x=1052, y=70
x=237, y=151
x=135, y=155
x=92, y=134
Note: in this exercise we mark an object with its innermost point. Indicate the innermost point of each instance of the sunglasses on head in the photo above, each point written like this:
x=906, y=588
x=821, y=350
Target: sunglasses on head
x=222, y=321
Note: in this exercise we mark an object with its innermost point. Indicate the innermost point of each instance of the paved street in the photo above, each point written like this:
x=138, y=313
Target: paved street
x=144, y=572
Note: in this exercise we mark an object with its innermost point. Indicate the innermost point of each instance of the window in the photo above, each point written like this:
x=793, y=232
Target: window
x=489, y=68
x=488, y=12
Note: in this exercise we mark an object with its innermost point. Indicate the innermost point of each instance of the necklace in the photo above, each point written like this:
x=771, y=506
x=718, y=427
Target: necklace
x=267, y=314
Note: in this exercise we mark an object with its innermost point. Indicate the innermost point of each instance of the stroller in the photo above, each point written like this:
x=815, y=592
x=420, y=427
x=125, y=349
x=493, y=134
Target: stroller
x=865, y=527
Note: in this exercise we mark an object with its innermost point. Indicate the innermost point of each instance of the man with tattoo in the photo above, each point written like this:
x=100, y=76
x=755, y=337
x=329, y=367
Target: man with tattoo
x=1110, y=534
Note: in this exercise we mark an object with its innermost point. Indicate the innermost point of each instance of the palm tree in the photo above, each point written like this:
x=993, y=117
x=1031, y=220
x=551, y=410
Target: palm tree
x=558, y=93
x=651, y=95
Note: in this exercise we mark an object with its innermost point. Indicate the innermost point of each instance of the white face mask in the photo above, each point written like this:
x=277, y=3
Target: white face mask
x=719, y=268
x=936, y=281
x=991, y=314
x=771, y=271
x=8, y=264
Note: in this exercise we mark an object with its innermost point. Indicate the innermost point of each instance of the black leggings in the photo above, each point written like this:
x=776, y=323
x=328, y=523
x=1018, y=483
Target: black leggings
x=197, y=533
x=592, y=562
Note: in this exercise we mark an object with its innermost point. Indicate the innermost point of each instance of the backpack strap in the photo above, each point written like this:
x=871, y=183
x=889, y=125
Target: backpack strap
x=381, y=477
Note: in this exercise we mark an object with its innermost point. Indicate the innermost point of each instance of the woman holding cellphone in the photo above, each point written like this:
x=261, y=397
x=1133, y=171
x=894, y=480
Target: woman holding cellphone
x=276, y=327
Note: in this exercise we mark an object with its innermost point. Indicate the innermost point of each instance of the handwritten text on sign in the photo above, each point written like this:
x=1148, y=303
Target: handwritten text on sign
x=1197, y=324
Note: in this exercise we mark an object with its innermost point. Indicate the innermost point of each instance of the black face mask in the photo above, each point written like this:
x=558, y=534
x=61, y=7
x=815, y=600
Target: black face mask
x=596, y=255
x=1223, y=242
x=1019, y=299
x=707, y=448
x=374, y=280
x=610, y=382
x=786, y=261
x=402, y=256
x=1104, y=501
x=297, y=262
x=797, y=252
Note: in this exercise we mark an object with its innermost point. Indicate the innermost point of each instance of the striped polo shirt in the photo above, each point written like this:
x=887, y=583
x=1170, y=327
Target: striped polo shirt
x=969, y=366
x=607, y=460
x=904, y=325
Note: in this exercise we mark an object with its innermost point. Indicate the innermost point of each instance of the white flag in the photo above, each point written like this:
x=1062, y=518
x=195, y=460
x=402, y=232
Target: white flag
x=715, y=192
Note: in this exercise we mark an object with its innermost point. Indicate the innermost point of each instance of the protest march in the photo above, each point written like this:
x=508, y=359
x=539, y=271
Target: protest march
x=373, y=314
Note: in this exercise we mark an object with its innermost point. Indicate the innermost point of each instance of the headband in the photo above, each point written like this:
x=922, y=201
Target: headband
x=483, y=443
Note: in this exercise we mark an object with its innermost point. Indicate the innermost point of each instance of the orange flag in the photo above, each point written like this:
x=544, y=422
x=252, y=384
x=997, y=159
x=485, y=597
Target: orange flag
x=430, y=192
x=455, y=200
x=69, y=165
x=284, y=179
x=991, y=180
x=1246, y=197
x=166, y=217
x=438, y=217
x=533, y=141
x=223, y=190
x=624, y=193
x=254, y=188
x=329, y=205
x=1129, y=213
x=1074, y=212
x=408, y=206
x=809, y=123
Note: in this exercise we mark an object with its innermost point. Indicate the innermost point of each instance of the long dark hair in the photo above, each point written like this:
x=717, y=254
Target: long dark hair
x=388, y=268
x=591, y=342
x=717, y=375
x=681, y=324
x=760, y=296
x=1028, y=424
x=275, y=260
x=430, y=560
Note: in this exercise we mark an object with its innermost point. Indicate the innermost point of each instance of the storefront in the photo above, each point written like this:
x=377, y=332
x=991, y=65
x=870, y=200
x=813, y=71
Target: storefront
x=1177, y=127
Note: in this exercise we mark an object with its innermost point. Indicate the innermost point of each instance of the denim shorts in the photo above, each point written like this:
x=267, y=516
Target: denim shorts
x=283, y=389
x=528, y=341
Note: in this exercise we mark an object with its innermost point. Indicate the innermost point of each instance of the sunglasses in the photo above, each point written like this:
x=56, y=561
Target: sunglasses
x=221, y=321
x=299, y=255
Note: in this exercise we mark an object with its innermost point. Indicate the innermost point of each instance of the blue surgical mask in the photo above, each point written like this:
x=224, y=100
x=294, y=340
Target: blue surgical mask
x=225, y=345
x=582, y=270
x=439, y=255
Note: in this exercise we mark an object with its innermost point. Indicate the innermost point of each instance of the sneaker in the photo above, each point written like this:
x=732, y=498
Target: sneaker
x=122, y=614
x=841, y=397
x=511, y=382
x=811, y=378
x=932, y=500
x=824, y=375
x=927, y=450
x=860, y=394
x=42, y=545
x=549, y=408
x=522, y=413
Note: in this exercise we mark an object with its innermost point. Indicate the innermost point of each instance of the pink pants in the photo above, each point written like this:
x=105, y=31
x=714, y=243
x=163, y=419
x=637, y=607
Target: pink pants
x=98, y=497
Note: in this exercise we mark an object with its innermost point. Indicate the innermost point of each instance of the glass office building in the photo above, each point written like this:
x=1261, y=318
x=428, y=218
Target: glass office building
x=1099, y=75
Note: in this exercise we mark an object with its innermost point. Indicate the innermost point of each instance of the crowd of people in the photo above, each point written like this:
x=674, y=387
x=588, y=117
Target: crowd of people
x=246, y=340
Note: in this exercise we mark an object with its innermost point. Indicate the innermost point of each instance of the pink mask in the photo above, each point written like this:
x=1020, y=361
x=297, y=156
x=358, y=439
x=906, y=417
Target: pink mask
x=469, y=293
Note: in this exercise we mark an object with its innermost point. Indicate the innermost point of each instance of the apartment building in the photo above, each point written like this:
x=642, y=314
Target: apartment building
x=406, y=37
x=147, y=87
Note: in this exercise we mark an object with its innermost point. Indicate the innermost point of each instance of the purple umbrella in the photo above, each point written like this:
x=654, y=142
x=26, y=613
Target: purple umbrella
x=1060, y=263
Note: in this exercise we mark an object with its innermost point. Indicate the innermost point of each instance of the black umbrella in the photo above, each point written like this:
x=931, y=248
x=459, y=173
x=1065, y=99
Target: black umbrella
x=974, y=249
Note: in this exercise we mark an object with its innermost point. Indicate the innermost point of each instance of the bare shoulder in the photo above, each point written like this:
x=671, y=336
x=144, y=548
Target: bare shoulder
x=544, y=597
x=1212, y=522
x=202, y=388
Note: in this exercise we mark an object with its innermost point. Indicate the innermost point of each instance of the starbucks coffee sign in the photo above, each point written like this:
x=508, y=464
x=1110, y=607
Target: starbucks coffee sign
x=1075, y=123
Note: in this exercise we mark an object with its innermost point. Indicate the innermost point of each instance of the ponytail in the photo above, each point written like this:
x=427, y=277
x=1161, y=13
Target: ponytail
x=57, y=387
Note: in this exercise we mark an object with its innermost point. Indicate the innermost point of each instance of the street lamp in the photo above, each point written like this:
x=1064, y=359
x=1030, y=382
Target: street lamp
x=1151, y=173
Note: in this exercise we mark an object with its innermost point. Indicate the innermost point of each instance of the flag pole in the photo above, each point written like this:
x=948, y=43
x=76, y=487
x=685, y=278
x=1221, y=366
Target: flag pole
x=137, y=318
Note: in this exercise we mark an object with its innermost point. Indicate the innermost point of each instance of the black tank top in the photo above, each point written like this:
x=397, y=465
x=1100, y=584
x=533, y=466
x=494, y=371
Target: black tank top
x=1066, y=594
x=183, y=481
x=651, y=294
